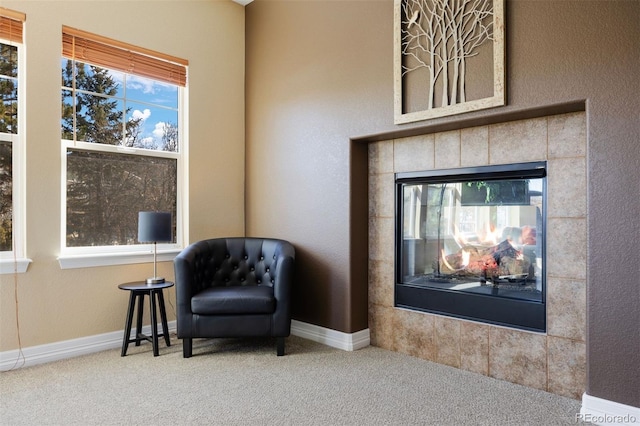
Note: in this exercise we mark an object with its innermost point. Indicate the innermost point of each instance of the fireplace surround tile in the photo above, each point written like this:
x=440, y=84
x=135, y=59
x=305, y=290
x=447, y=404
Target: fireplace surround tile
x=567, y=135
x=567, y=371
x=566, y=247
x=566, y=308
x=474, y=347
x=447, y=150
x=380, y=273
x=381, y=202
x=447, y=341
x=566, y=183
x=553, y=361
x=518, y=141
x=413, y=153
x=381, y=158
x=518, y=357
x=381, y=326
x=415, y=335
x=381, y=238
x=474, y=146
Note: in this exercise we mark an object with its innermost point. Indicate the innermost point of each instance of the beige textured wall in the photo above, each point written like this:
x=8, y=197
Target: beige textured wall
x=55, y=304
x=319, y=74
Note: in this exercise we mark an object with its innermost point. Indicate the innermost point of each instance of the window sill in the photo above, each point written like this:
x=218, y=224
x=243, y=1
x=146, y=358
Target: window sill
x=11, y=266
x=110, y=259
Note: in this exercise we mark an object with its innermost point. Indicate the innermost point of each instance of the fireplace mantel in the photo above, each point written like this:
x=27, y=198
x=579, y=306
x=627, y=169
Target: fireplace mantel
x=497, y=116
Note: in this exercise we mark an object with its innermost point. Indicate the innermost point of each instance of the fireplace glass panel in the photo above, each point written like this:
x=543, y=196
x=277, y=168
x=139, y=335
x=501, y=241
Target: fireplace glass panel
x=479, y=234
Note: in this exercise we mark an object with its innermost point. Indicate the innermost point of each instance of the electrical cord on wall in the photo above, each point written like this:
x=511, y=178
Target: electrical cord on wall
x=20, y=356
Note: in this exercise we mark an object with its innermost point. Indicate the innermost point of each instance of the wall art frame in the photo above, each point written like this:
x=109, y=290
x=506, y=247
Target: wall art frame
x=449, y=57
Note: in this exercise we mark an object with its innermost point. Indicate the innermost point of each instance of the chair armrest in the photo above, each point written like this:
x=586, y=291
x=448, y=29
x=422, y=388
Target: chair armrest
x=284, y=276
x=185, y=277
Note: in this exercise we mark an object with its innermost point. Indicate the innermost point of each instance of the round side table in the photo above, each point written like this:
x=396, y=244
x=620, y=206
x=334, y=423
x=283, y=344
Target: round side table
x=139, y=289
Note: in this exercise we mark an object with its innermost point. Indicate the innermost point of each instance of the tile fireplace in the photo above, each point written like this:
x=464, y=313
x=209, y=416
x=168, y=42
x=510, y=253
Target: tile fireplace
x=548, y=355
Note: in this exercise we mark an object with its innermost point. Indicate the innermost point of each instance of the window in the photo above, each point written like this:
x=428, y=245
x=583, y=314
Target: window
x=12, y=163
x=122, y=129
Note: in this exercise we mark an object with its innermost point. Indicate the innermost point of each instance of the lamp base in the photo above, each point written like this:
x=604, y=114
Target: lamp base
x=155, y=280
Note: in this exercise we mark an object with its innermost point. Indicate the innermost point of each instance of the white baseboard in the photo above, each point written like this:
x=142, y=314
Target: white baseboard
x=604, y=412
x=41, y=354
x=329, y=337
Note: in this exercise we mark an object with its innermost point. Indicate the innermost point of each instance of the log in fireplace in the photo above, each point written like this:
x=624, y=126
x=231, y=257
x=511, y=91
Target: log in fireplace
x=470, y=243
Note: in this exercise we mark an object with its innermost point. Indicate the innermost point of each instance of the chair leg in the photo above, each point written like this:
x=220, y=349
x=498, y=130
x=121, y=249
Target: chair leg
x=280, y=343
x=186, y=348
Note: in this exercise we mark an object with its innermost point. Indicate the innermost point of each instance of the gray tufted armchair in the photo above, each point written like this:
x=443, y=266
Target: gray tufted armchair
x=234, y=287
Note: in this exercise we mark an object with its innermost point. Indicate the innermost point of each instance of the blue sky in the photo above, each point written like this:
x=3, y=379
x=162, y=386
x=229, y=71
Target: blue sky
x=155, y=102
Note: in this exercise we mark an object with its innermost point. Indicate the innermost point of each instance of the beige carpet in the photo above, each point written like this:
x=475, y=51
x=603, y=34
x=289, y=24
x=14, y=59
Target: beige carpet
x=242, y=382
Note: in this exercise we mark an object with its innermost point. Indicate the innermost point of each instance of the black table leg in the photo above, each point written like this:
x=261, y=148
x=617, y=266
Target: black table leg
x=154, y=324
x=163, y=318
x=140, y=295
x=127, y=326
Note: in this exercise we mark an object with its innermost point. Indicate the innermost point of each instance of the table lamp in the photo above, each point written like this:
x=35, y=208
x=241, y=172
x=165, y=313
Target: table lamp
x=154, y=227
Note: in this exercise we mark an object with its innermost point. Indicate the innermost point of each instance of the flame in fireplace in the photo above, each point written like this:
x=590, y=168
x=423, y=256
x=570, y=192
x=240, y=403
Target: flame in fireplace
x=466, y=256
x=458, y=237
x=489, y=234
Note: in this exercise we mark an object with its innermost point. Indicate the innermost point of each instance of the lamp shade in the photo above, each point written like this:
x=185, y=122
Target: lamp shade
x=154, y=227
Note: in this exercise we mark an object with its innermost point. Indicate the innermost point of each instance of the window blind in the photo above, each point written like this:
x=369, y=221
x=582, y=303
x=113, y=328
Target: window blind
x=108, y=53
x=11, y=25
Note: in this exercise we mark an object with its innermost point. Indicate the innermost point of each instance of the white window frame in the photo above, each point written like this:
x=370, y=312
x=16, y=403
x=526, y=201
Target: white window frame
x=15, y=261
x=84, y=257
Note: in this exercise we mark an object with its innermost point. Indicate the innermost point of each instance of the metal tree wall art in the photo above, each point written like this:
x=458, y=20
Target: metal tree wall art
x=449, y=57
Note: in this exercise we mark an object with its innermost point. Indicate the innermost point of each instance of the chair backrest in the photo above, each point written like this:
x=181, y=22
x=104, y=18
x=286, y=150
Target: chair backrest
x=236, y=261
